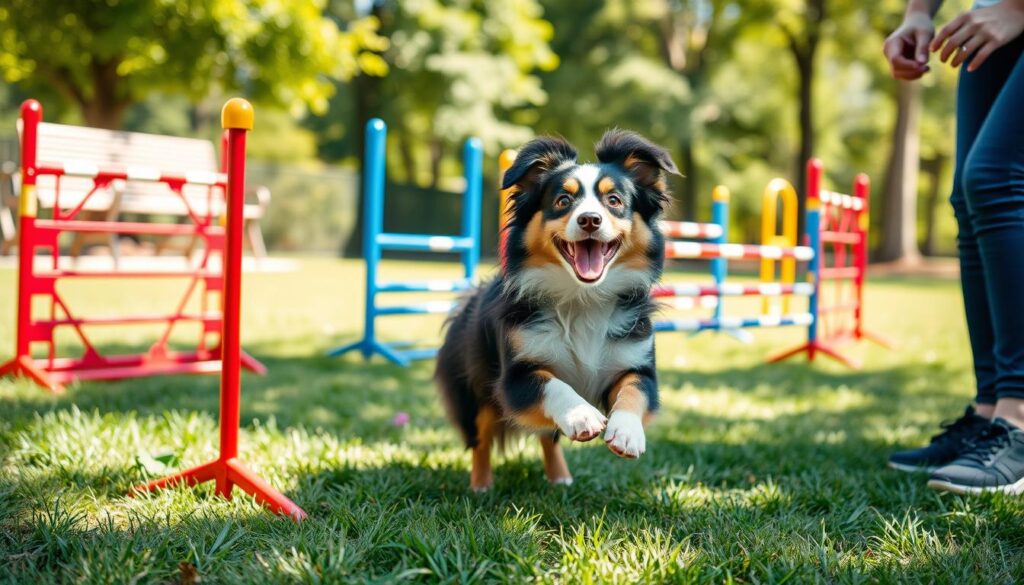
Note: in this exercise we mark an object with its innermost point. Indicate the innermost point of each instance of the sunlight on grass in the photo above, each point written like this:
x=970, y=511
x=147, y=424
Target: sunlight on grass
x=754, y=472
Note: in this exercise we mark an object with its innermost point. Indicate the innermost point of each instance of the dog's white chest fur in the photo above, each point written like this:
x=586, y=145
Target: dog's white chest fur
x=578, y=340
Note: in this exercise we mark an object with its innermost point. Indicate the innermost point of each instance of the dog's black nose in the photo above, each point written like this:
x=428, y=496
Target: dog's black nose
x=590, y=221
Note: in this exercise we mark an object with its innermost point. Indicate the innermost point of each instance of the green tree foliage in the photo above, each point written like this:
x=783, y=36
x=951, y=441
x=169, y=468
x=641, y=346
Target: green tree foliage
x=456, y=69
x=104, y=58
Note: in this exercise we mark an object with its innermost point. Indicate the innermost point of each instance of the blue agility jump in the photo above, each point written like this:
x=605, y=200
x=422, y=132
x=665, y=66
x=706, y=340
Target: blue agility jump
x=376, y=241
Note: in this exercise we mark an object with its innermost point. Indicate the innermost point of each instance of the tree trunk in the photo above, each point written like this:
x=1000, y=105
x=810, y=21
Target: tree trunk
x=367, y=91
x=688, y=196
x=934, y=167
x=104, y=114
x=436, y=156
x=899, y=206
x=408, y=160
x=105, y=108
x=806, y=120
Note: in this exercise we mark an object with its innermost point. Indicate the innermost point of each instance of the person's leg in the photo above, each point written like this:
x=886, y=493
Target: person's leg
x=993, y=184
x=976, y=95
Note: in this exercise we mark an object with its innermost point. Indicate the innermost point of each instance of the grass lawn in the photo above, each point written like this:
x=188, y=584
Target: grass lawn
x=754, y=473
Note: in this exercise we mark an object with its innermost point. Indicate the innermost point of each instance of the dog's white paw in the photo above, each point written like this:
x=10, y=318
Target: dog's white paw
x=581, y=422
x=625, y=434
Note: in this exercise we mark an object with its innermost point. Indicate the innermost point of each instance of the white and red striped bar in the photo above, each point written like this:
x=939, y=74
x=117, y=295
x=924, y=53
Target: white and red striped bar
x=769, y=289
x=735, y=251
x=851, y=238
x=839, y=273
x=690, y=303
x=132, y=173
x=690, y=229
x=841, y=200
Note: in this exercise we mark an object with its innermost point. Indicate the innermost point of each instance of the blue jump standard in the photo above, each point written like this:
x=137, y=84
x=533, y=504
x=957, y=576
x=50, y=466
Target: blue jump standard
x=376, y=240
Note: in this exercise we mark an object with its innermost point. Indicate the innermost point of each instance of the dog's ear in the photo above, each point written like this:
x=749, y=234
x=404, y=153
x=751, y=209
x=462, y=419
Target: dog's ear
x=535, y=158
x=645, y=162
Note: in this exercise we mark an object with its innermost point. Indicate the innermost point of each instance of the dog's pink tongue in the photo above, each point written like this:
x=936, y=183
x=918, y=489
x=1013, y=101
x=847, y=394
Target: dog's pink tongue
x=588, y=259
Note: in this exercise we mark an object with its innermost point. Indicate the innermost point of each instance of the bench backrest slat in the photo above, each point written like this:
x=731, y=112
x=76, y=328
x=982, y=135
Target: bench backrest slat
x=109, y=149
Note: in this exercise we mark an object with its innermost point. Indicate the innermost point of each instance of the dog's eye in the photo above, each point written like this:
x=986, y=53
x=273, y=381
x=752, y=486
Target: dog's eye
x=563, y=201
x=614, y=201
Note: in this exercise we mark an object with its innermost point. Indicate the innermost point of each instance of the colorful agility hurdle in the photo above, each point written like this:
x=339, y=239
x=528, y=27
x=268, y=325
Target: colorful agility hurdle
x=376, y=240
x=837, y=219
x=227, y=471
x=37, y=234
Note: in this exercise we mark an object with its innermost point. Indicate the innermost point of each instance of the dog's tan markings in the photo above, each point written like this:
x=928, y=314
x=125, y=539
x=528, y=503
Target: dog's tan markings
x=634, y=246
x=555, y=467
x=644, y=172
x=606, y=185
x=571, y=185
x=627, y=395
x=540, y=248
x=480, y=476
x=515, y=341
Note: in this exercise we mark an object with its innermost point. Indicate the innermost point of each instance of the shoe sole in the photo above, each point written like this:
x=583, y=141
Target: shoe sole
x=910, y=468
x=1013, y=489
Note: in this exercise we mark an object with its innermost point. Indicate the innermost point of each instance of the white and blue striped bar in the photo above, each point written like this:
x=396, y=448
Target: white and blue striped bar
x=427, y=308
x=726, y=323
x=425, y=286
x=424, y=243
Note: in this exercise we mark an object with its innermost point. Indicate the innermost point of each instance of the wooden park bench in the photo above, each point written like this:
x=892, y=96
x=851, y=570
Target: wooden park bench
x=85, y=150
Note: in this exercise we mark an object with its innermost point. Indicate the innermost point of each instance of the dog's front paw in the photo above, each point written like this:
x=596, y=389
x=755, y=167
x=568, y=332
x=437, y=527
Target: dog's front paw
x=581, y=422
x=625, y=434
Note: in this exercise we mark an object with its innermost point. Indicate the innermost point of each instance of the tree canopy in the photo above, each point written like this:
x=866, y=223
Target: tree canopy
x=105, y=58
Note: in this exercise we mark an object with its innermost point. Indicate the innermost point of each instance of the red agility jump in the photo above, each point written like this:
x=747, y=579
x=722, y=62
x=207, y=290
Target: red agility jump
x=840, y=223
x=203, y=281
x=227, y=471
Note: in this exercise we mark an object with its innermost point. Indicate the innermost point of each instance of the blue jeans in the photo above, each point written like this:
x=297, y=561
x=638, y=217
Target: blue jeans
x=988, y=199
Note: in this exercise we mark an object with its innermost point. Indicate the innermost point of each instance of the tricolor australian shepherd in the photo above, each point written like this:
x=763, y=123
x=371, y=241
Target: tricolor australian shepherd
x=561, y=342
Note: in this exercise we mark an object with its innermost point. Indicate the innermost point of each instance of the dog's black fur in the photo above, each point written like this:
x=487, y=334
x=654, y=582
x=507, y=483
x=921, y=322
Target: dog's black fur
x=547, y=316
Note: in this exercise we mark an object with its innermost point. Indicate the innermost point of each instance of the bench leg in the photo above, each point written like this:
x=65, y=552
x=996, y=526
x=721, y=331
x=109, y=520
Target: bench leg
x=9, y=229
x=255, y=236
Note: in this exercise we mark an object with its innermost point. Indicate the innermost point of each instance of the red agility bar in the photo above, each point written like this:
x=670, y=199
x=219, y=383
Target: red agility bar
x=53, y=372
x=227, y=471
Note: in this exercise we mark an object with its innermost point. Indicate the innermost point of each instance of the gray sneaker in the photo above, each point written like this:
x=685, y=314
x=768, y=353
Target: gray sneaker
x=994, y=463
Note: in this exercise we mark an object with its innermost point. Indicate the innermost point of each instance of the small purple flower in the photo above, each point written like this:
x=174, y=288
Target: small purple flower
x=400, y=419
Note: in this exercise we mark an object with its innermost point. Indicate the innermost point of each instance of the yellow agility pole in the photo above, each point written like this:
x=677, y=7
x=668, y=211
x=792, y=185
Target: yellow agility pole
x=505, y=161
x=770, y=236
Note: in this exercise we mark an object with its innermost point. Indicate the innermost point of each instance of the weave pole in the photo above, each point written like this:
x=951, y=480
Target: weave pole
x=227, y=471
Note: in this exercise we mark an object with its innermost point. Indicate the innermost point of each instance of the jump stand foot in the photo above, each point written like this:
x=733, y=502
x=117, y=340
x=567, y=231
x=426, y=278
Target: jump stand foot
x=228, y=473
x=24, y=367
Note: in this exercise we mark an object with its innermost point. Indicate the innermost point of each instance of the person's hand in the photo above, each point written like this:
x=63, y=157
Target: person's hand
x=980, y=32
x=906, y=49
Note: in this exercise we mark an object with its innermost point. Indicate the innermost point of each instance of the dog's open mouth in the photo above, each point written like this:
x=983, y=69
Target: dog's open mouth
x=589, y=257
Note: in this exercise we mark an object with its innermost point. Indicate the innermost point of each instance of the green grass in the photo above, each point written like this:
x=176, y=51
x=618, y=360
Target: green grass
x=754, y=473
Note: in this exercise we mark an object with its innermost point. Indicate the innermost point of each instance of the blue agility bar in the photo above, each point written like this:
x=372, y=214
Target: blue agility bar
x=375, y=240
